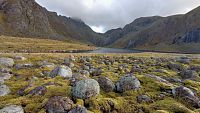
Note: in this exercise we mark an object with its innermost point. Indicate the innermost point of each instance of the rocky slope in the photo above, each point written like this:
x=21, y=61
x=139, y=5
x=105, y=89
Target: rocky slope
x=163, y=33
x=26, y=18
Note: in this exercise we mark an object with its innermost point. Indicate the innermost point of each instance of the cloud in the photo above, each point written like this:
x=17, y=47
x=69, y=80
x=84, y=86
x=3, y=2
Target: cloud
x=103, y=15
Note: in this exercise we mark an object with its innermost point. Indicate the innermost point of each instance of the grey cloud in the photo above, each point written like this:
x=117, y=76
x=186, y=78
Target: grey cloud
x=116, y=13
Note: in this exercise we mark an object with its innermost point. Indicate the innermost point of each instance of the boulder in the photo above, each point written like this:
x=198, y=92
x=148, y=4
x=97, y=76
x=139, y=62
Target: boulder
x=6, y=62
x=96, y=72
x=41, y=90
x=143, y=98
x=1, y=81
x=85, y=72
x=184, y=60
x=59, y=104
x=88, y=59
x=174, y=66
x=187, y=95
x=5, y=70
x=69, y=62
x=188, y=74
x=23, y=66
x=128, y=82
x=85, y=89
x=63, y=71
x=4, y=90
x=77, y=77
x=78, y=109
x=195, y=68
x=12, y=109
x=45, y=64
x=159, y=79
x=20, y=58
x=5, y=76
x=106, y=84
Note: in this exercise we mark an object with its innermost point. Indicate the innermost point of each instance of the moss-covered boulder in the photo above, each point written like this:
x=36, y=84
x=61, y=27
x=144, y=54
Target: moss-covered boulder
x=59, y=104
x=62, y=71
x=128, y=82
x=12, y=109
x=85, y=89
x=187, y=95
x=106, y=84
x=6, y=62
x=4, y=90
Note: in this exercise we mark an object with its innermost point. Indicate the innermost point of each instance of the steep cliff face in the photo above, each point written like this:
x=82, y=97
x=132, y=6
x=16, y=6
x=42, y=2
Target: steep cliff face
x=190, y=37
x=164, y=33
x=26, y=18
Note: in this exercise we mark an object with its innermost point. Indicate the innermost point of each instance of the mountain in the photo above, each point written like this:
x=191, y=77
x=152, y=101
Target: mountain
x=26, y=18
x=178, y=33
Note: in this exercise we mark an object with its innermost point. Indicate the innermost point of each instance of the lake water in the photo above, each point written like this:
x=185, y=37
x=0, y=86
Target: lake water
x=113, y=50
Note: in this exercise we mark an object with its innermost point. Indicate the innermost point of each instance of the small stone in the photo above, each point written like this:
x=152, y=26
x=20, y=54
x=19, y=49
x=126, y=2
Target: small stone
x=159, y=79
x=1, y=81
x=5, y=76
x=20, y=58
x=4, y=90
x=5, y=70
x=6, y=62
x=23, y=66
x=46, y=64
x=41, y=90
x=143, y=98
x=96, y=72
x=78, y=109
x=12, y=109
x=59, y=104
x=174, y=66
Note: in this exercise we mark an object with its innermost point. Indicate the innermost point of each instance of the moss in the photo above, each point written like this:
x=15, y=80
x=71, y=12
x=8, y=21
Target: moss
x=80, y=102
x=161, y=111
x=170, y=105
x=58, y=91
x=42, y=111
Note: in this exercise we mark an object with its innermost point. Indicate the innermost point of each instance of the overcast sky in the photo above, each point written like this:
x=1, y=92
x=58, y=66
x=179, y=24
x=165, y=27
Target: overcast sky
x=102, y=15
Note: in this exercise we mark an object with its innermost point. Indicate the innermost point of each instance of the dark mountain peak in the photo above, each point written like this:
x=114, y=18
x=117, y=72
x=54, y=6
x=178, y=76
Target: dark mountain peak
x=113, y=30
x=146, y=20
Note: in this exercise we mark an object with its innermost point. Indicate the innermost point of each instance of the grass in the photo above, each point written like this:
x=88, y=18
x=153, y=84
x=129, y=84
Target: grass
x=16, y=44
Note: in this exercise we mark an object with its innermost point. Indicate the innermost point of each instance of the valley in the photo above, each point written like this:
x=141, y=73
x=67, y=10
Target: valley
x=51, y=63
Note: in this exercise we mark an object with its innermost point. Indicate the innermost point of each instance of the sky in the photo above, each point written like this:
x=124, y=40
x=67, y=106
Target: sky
x=103, y=15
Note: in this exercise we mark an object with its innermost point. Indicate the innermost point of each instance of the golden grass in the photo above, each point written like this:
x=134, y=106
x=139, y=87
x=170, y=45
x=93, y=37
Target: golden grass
x=15, y=44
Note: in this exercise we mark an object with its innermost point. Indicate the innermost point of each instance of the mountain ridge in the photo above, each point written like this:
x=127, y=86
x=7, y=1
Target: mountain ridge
x=26, y=18
x=164, y=31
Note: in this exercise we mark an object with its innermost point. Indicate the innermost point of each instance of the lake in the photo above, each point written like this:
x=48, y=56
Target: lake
x=113, y=50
